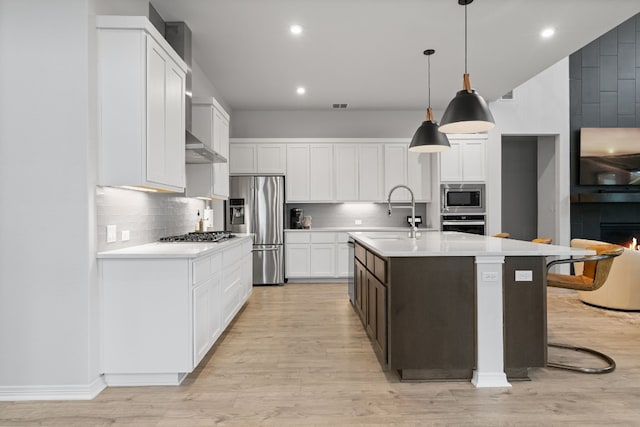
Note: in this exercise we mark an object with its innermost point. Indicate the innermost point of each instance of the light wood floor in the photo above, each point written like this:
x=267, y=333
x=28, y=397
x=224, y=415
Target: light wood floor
x=298, y=355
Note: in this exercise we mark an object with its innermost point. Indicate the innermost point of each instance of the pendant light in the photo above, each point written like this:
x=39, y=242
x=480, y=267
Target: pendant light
x=467, y=112
x=428, y=139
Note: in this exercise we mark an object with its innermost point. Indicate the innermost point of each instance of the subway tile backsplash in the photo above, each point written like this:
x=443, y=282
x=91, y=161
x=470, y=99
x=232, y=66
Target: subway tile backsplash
x=147, y=216
x=346, y=214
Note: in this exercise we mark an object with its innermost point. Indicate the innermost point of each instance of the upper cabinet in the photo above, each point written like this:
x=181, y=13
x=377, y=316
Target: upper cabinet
x=411, y=169
x=309, y=173
x=141, y=106
x=252, y=159
x=465, y=161
x=211, y=126
x=359, y=172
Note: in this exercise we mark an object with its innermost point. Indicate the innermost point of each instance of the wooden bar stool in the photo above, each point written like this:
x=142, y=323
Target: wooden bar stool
x=502, y=235
x=594, y=275
x=544, y=240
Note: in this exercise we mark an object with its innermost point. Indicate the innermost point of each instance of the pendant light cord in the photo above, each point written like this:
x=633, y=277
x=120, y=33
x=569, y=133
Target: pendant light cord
x=429, y=78
x=465, y=38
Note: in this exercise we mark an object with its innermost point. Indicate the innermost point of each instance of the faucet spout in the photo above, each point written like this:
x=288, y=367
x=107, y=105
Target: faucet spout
x=413, y=207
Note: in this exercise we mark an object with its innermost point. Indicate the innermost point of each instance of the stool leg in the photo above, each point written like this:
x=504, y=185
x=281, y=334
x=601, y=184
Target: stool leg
x=609, y=368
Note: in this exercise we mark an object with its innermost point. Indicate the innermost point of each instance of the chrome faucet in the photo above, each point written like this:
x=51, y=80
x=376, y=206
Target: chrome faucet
x=413, y=208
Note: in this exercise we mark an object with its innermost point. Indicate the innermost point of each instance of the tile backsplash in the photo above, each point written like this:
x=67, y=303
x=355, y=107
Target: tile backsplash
x=346, y=214
x=147, y=216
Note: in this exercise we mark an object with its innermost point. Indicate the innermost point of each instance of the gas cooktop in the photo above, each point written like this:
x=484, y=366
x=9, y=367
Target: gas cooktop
x=204, y=237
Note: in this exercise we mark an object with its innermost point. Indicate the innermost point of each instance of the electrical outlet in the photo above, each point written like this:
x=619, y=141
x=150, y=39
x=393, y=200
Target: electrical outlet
x=524, y=276
x=489, y=276
x=111, y=233
x=125, y=235
x=358, y=222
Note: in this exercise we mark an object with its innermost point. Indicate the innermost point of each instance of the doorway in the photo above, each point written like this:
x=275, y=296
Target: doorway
x=529, y=186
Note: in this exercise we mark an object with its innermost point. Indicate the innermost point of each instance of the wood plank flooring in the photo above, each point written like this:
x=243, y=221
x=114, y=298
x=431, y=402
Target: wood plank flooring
x=297, y=355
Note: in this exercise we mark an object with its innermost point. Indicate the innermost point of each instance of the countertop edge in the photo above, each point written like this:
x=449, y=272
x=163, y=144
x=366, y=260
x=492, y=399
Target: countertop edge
x=147, y=250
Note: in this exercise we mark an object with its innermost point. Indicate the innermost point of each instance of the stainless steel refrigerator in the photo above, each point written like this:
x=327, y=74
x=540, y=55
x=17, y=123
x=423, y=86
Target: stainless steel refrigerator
x=256, y=205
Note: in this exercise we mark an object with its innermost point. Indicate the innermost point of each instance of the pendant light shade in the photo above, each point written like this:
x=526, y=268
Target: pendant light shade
x=428, y=139
x=468, y=112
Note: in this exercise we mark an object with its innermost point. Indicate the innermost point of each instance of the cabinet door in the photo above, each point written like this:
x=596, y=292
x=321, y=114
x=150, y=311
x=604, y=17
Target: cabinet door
x=221, y=142
x=322, y=260
x=272, y=158
x=156, y=98
x=450, y=163
x=174, y=126
x=419, y=175
x=360, y=278
x=371, y=172
x=242, y=158
x=343, y=260
x=297, y=172
x=321, y=172
x=297, y=260
x=395, y=171
x=473, y=159
x=201, y=321
x=345, y=161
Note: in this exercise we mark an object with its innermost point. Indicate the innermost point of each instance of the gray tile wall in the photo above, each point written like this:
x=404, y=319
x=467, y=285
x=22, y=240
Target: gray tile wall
x=345, y=214
x=604, y=92
x=147, y=216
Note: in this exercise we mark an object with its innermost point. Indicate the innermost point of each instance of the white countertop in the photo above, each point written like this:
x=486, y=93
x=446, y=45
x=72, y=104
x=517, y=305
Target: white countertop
x=172, y=249
x=451, y=243
x=356, y=228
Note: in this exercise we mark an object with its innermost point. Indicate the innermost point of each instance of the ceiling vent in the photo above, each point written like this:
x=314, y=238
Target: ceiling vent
x=339, y=106
x=507, y=96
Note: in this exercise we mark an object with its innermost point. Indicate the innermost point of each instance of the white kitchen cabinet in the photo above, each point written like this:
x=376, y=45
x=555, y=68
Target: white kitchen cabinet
x=359, y=172
x=211, y=126
x=141, y=106
x=465, y=161
x=297, y=180
x=371, y=172
x=321, y=172
x=162, y=315
x=316, y=254
x=252, y=159
x=411, y=169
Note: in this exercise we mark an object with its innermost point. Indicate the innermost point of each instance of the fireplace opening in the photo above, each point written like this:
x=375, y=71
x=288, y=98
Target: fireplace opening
x=620, y=233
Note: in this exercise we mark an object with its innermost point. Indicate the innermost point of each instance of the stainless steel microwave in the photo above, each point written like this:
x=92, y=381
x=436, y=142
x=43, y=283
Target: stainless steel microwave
x=462, y=198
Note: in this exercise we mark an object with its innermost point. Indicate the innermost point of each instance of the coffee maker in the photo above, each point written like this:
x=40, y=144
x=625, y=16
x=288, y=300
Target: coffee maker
x=295, y=218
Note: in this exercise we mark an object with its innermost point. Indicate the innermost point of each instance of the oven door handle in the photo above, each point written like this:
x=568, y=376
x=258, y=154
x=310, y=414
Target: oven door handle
x=463, y=222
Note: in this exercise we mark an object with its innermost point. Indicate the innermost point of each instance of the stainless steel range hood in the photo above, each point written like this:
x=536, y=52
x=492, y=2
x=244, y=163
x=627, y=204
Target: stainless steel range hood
x=199, y=152
x=179, y=37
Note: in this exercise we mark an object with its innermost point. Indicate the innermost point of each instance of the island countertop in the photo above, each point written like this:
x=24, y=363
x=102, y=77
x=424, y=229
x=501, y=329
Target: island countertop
x=452, y=243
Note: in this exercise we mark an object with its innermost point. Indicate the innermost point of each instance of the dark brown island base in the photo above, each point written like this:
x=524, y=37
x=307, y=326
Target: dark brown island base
x=421, y=313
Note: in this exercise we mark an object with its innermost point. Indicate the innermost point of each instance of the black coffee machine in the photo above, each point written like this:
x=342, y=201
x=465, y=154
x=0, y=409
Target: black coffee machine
x=295, y=219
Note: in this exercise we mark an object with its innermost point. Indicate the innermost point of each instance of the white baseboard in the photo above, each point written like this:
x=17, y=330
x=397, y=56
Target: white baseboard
x=48, y=392
x=138, y=380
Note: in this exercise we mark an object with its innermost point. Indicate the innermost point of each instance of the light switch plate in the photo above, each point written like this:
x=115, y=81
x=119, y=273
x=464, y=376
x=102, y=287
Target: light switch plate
x=489, y=276
x=111, y=233
x=125, y=235
x=358, y=222
x=524, y=276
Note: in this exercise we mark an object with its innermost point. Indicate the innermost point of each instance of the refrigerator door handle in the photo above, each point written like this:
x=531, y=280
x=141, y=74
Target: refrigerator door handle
x=275, y=248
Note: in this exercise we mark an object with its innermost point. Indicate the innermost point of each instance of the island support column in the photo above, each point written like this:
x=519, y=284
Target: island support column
x=489, y=370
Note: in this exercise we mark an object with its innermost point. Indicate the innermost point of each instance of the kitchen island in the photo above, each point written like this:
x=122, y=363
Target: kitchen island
x=454, y=306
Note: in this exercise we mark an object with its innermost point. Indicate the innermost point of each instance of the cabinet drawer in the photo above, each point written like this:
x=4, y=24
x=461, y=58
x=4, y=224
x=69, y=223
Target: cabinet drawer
x=232, y=255
x=361, y=254
x=201, y=269
x=380, y=269
x=323, y=237
x=370, y=261
x=298, y=237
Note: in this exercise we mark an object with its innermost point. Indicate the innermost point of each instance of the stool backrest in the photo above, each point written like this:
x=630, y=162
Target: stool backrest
x=599, y=270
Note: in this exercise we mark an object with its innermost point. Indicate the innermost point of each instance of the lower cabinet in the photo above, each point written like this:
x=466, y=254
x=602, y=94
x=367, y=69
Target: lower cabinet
x=160, y=316
x=371, y=298
x=318, y=254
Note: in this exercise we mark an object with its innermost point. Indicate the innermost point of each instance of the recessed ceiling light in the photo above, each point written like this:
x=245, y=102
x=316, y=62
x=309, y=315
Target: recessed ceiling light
x=301, y=90
x=295, y=29
x=548, y=32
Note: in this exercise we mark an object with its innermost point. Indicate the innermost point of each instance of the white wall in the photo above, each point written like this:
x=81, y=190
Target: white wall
x=540, y=107
x=48, y=287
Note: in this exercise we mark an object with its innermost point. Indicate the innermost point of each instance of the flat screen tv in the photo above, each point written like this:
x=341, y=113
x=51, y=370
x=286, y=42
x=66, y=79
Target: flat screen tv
x=610, y=156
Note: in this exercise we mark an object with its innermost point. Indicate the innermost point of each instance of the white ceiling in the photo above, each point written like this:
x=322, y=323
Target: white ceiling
x=368, y=53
